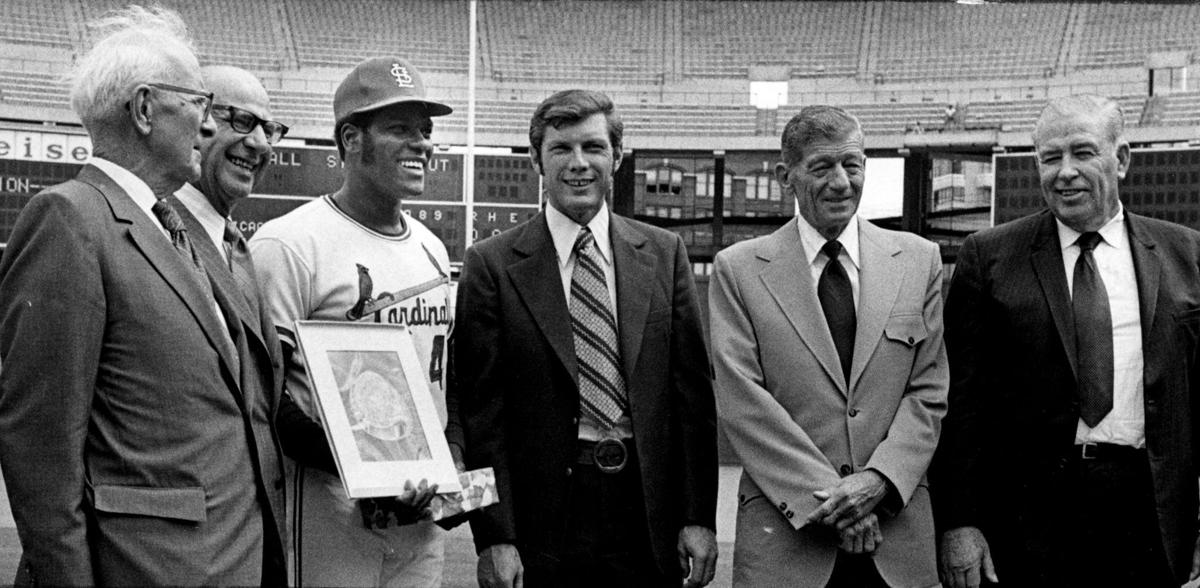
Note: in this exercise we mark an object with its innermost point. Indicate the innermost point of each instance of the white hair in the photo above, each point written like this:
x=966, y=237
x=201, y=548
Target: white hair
x=136, y=45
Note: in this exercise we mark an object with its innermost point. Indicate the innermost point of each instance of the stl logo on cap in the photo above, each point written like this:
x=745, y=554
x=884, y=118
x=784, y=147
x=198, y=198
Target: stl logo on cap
x=403, y=80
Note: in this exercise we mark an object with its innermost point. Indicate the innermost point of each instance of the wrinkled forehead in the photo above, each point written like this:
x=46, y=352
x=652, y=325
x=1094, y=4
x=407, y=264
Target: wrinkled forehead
x=848, y=146
x=182, y=70
x=1070, y=129
x=240, y=90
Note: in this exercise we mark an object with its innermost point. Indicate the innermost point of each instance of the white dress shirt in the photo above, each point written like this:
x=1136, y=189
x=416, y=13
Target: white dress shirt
x=210, y=219
x=564, y=231
x=138, y=190
x=1125, y=425
x=849, y=257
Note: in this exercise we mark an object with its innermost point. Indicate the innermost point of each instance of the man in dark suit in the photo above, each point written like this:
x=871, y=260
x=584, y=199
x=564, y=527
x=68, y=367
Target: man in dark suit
x=135, y=448
x=583, y=380
x=234, y=158
x=1069, y=451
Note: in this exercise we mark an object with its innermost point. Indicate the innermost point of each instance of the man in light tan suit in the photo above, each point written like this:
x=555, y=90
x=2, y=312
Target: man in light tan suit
x=831, y=378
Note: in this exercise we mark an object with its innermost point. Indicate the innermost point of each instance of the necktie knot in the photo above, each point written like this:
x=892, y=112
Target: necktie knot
x=232, y=234
x=1089, y=241
x=832, y=248
x=167, y=216
x=583, y=240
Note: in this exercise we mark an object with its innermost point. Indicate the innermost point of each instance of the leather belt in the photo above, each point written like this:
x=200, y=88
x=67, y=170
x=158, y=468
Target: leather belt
x=1106, y=451
x=610, y=455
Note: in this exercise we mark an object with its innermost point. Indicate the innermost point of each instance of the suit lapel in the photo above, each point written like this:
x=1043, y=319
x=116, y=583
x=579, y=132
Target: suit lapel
x=216, y=265
x=635, y=277
x=878, y=285
x=148, y=238
x=537, y=281
x=1147, y=267
x=789, y=280
x=1046, y=257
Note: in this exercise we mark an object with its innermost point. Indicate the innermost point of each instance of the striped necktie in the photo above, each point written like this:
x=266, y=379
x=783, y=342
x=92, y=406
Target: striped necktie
x=179, y=236
x=601, y=385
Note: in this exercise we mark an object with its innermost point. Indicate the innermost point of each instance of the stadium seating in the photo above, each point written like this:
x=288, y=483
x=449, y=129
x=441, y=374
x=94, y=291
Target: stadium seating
x=36, y=22
x=657, y=53
x=1180, y=109
x=722, y=39
x=1020, y=115
x=237, y=32
x=923, y=41
x=622, y=41
x=432, y=33
x=33, y=89
x=1124, y=34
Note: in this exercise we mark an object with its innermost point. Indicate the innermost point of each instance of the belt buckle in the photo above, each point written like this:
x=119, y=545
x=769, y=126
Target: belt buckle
x=610, y=455
x=1088, y=451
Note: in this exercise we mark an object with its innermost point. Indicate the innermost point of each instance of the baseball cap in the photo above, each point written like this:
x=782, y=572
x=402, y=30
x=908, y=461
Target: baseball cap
x=379, y=82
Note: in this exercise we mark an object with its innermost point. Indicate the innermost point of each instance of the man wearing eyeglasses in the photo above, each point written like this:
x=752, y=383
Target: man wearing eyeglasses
x=235, y=157
x=136, y=449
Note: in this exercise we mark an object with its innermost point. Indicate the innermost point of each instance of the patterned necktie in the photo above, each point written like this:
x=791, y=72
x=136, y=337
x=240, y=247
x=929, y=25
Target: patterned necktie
x=1093, y=334
x=240, y=265
x=837, y=302
x=231, y=240
x=179, y=236
x=601, y=385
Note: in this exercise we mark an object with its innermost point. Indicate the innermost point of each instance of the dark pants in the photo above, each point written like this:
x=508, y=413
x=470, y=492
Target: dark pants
x=1117, y=539
x=855, y=571
x=606, y=540
x=1100, y=529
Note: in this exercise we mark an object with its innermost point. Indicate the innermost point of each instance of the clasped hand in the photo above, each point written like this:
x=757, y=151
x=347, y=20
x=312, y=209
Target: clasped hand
x=849, y=509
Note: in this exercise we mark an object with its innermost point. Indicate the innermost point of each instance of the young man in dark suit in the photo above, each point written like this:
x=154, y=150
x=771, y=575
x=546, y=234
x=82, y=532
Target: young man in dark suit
x=582, y=378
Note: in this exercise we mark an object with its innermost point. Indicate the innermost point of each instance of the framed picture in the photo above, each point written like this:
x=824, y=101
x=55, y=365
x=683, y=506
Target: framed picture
x=376, y=405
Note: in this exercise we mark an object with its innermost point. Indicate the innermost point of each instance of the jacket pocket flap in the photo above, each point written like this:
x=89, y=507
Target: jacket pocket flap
x=169, y=503
x=908, y=329
x=1186, y=315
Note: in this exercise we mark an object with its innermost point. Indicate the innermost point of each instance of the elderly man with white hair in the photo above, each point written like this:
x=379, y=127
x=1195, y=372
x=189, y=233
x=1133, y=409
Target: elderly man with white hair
x=133, y=451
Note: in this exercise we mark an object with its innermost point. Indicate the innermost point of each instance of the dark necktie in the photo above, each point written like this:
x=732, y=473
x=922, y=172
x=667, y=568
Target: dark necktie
x=837, y=302
x=1093, y=334
x=601, y=385
x=179, y=236
x=240, y=265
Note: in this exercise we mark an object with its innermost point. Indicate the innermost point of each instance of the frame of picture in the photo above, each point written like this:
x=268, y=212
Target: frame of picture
x=378, y=412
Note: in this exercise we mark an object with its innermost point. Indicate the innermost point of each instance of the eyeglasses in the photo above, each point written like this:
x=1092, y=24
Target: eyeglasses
x=207, y=96
x=244, y=121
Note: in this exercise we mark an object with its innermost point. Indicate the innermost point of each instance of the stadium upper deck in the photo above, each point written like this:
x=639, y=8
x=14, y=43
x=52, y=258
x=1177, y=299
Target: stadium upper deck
x=678, y=68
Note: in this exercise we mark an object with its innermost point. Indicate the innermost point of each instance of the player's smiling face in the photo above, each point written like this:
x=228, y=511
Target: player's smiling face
x=577, y=164
x=396, y=148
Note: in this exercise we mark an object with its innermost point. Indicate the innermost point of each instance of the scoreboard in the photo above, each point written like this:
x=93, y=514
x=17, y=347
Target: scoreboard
x=507, y=189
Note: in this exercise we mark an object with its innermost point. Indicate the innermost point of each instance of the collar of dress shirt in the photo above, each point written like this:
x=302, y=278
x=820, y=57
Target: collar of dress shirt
x=813, y=241
x=138, y=190
x=564, y=231
x=1113, y=232
x=212, y=221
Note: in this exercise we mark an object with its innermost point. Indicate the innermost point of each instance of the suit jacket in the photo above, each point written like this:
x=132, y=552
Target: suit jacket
x=127, y=453
x=516, y=382
x=796, y=425
x=1013, y=401
x=260, y=359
